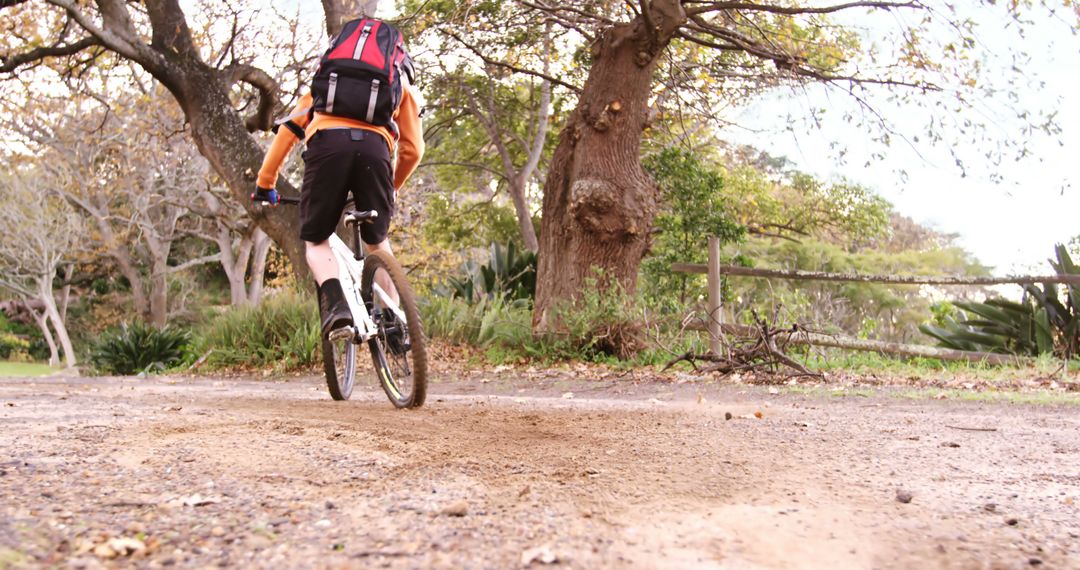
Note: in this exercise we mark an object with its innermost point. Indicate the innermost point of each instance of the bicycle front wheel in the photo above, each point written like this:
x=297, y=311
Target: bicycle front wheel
x=399, y=350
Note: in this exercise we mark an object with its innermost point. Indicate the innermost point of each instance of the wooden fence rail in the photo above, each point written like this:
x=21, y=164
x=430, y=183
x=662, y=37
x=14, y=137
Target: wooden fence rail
x=716, y=327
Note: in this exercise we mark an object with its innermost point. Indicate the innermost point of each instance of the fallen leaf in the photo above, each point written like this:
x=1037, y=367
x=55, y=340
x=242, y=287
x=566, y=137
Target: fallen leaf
x=759, y=415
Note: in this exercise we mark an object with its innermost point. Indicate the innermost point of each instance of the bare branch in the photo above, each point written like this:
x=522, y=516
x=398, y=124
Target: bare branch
x=263, y=119
x=792, y=10
x=10, y=63
x=504, y=65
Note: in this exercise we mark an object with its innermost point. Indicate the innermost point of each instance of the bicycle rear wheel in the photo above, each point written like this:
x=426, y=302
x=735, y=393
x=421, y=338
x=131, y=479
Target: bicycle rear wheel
x=339, y=366
x=398, y=352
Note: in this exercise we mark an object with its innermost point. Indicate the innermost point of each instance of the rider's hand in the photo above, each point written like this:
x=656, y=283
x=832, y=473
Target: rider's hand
x=262, y=195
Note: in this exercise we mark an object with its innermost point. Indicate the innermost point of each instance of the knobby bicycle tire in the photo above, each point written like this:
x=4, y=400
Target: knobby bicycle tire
x=393, y=369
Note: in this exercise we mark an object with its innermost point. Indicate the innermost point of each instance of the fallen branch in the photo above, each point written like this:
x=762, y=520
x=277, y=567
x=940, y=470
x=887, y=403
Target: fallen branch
x=971, y=428
x=755, y=350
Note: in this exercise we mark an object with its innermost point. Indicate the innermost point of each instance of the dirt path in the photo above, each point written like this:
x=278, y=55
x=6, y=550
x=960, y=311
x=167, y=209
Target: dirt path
x=203, y=473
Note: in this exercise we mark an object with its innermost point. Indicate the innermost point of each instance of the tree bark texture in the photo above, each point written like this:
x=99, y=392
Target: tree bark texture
x=599, y=203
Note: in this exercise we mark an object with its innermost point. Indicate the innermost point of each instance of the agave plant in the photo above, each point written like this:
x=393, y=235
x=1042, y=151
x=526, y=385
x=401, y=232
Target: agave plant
x=511, y=273
x=1042, y=323
x=138, y=347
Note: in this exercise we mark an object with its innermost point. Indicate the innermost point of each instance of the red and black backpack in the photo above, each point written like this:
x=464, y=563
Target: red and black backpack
x=359, y=77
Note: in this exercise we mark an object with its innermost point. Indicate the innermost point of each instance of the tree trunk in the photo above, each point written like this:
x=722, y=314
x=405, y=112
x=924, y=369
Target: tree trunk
x=46, y=293
x=42, y=321
x=159, y=293
x=258, y=267
x=524, y=216
x=65, y=293
x=599, y=203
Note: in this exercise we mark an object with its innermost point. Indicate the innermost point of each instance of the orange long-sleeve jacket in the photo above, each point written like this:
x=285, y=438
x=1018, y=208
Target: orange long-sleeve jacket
x=409, y=145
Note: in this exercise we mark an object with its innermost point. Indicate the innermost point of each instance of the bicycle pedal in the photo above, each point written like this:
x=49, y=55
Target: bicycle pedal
x=343, y=333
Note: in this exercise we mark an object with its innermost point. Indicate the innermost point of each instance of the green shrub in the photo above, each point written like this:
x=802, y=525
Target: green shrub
x=283, y=332
x=137, y=348
x=14, y=348
x=604, y=322
x=487, y=322
x=510, y=274
x=601, y=325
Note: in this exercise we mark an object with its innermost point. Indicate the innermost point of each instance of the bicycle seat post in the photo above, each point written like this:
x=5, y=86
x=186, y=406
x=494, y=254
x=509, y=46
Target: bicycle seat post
x=358, y=247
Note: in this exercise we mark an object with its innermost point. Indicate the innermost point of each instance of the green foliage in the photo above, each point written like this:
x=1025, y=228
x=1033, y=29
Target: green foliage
x=694, y=208
x=605, y=322
x=487, y=322
x=510, y=274
x=139, y=348
x=283, y=332
x=468, y=224
x=1038, y=325
x=873, y=310
x=14, y=348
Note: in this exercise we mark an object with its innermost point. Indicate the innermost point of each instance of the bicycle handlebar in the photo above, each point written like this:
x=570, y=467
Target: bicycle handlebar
x=286, y=200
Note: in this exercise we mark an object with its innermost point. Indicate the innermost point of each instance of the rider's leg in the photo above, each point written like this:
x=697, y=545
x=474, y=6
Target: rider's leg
x=320, y=259
x=383, y=278
x=332, y=304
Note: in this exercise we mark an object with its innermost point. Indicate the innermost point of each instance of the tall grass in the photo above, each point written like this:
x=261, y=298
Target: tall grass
x=487, y=322
x=282, y=332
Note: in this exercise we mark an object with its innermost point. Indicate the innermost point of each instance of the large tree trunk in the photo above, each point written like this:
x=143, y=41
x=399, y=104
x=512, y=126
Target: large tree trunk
x=599, y=203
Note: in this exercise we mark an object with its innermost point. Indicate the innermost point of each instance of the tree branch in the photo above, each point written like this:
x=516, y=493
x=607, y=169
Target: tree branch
x=9, y=63
x=216, y=258
x=792, y=10
x=263, y=119
x=508, y=66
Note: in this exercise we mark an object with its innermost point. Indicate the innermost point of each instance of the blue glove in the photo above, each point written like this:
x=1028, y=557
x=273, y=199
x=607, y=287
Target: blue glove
x=265, y=196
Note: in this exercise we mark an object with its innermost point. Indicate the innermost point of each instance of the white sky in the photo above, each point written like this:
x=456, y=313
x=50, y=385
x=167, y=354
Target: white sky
x=1012, y=225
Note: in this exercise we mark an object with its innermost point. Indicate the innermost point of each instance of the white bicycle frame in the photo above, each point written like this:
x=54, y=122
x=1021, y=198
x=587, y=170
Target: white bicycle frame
x=350, y=271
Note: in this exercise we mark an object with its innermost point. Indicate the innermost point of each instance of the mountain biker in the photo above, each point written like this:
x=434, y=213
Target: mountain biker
x=345, y=154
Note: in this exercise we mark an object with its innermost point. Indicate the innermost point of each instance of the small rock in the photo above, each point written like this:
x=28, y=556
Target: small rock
x=950, y=444
x=990, y=507
x=217, y=531
x=1012, y=521
x=728, y=416
x=541, y=554
x=324, y=523
x=1035, y=562
x=458, y=509
x=330, y=506
x=903, y=496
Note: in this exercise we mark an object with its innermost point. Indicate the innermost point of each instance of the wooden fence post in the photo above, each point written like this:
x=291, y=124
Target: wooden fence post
x=716, y=316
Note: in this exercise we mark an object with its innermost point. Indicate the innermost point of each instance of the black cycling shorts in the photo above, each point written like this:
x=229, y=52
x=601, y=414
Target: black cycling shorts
x=336, y=162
